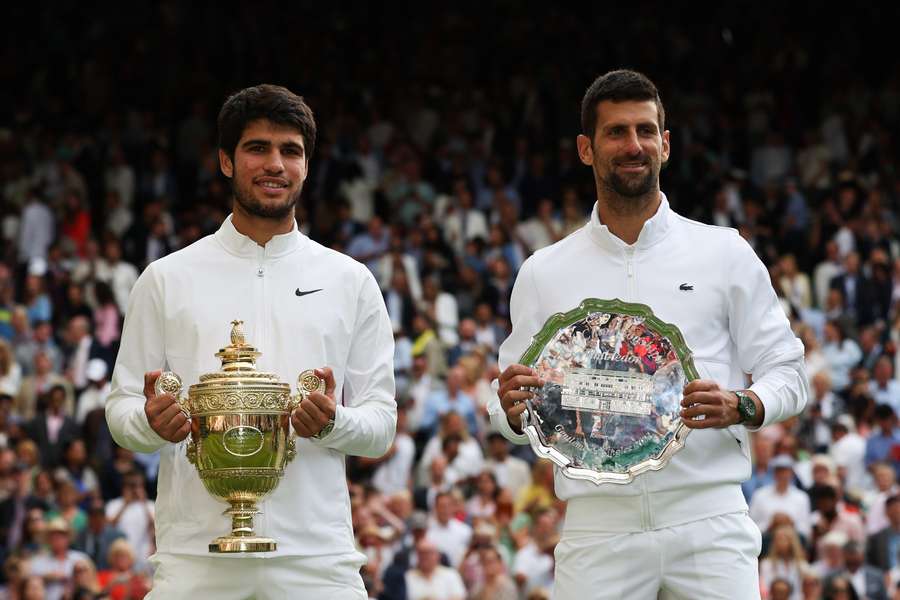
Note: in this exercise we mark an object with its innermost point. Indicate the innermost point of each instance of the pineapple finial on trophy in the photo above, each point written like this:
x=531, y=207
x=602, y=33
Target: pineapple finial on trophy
x=237, y=333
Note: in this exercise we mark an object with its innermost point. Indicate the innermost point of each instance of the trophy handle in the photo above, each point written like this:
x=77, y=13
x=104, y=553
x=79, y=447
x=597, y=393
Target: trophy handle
x=307, y=383
x=169, y=382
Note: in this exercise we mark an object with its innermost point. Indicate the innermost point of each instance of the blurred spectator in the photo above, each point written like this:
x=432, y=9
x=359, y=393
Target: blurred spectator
x=511, y=473
x=41, y=340
x=781, y=589
x=785, y=560
x=57, y=564
x=539, y=494
x=462, y=221
x=885, y=389
x=830, y=554
x=441, y=309
x=76, y=470
x=36, y=231
x=883, y=443
x=848, y=449
x=841, y=353
x=761, y=476
x=781, y=496
x=120, y=581
x=82, y=348
x=121, y=275
x=883, y=548
x=450, y=398
x=467, y=459
x=450, y=535
x=393, y=470
x=36, y=388
x=85, y=585
x=496, y=584
x=93, y=398
x=10, y=371
x=533, y=567
x=885, y=477
x=831, y=514
x=96, y=539
x=867, y=581
x=369, y=246
x=133, y=514
x=35, y=299
x=430, y=580
x=53, y=428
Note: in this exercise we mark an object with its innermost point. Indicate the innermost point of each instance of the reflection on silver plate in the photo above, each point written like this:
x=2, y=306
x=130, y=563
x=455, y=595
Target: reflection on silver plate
x=614, y=375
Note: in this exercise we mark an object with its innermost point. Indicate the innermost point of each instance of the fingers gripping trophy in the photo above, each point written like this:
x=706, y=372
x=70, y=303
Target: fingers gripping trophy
x=240, y=434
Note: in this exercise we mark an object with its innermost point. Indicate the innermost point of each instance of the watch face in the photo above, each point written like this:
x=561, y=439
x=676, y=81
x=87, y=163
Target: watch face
x=746, y=406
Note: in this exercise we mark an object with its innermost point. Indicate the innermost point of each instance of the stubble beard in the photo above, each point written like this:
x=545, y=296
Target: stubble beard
x=630, y=196
x=252, y=206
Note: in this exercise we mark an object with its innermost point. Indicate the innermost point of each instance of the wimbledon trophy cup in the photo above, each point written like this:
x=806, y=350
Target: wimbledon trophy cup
x=241, y=435
x=613, y=379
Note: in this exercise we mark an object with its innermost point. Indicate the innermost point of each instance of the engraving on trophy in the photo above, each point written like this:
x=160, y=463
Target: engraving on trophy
x=608, y=391
x=243, y=440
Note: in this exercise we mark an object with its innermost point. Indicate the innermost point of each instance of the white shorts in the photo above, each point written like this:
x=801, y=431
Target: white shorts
x=711, y=558
x=242, y=578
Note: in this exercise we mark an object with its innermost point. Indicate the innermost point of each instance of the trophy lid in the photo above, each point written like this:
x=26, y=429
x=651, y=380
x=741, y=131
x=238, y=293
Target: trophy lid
x=239, y=360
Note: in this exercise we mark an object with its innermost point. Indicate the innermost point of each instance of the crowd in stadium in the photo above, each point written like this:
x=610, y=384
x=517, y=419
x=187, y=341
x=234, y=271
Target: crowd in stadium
x=442, y=191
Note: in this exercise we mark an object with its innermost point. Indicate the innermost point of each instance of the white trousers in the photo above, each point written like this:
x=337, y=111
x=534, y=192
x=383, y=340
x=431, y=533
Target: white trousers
x=244, y=578
x=707, y=559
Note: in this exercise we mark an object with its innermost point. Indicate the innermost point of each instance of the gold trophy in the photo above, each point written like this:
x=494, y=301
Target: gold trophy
x=241, y=434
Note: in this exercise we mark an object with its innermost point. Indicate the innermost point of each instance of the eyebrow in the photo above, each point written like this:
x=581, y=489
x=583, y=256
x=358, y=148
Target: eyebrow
x=653, y=124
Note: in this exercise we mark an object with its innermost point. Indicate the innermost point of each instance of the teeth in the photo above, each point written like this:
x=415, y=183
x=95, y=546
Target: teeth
x=269, y=184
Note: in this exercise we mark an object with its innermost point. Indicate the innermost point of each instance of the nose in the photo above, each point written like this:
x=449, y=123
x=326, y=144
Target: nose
x=632, y=143
x=274, y=162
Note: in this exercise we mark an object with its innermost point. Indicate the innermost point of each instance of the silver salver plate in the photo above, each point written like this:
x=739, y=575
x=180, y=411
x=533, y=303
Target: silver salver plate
x=613, y=380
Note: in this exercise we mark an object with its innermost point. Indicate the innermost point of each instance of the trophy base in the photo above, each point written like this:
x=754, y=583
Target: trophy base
x=224, y=545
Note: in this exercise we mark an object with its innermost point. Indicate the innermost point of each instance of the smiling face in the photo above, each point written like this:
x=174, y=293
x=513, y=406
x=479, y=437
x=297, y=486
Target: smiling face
x=267, y=171
x=628, y=148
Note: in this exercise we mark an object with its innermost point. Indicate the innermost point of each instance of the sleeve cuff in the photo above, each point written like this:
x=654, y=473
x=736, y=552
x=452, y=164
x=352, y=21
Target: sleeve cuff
x=500, y=422
x=765, y=394
x=340, y=422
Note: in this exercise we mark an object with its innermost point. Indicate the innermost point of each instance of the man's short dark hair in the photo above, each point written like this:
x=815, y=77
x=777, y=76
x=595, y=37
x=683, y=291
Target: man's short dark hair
x=883, y=411
x=270, y=102
x=618, y=86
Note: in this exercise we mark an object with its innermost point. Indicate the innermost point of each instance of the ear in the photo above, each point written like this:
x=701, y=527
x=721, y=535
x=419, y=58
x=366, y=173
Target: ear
x=226, y=164
x=585, y=152
x=665, y=146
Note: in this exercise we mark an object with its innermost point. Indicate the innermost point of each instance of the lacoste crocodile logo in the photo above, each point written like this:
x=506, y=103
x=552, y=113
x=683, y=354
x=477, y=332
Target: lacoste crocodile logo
x=686, y=288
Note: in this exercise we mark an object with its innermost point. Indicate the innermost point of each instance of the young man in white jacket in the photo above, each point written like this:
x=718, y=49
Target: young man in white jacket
x=304, y=306
x=683, y=531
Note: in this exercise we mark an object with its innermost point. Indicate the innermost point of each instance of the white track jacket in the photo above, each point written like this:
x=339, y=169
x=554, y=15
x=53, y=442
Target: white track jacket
x=709, y=282
x=179, y=316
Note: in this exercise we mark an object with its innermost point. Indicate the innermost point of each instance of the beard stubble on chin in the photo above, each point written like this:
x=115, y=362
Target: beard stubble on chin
x=252, y=206
x=626, y=195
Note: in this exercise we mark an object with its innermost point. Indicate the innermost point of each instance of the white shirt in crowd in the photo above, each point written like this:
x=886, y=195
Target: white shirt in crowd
x=135, y=523
x=452, y=539
x=536, y=566
x=767, y=501
x=392, y=475
x=444, y=584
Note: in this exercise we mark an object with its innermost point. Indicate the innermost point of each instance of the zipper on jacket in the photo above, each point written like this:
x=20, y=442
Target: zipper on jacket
x=630, y=285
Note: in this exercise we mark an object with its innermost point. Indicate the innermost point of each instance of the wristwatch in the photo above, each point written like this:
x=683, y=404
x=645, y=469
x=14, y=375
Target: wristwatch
x=746, y=407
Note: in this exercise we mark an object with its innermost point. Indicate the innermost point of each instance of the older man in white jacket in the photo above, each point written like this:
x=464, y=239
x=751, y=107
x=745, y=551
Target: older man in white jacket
x=681, y=532
x=304, y=306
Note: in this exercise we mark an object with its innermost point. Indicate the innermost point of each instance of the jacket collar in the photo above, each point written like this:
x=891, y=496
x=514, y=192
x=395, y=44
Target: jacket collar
x=239, y=244
x=654, y=230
